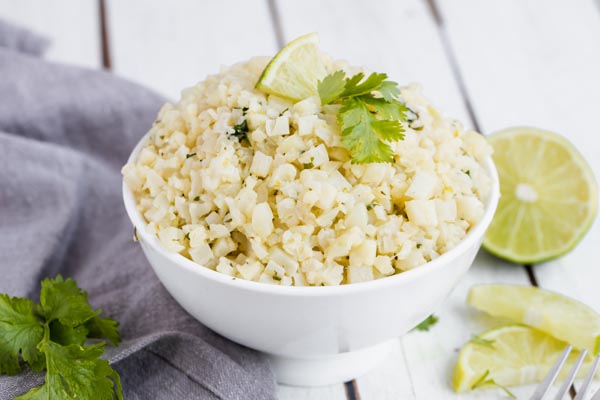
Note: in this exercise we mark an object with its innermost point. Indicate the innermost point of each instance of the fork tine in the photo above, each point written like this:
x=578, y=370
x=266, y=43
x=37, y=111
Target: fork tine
x=588, y=379
x=543, y=387
x=564, y=388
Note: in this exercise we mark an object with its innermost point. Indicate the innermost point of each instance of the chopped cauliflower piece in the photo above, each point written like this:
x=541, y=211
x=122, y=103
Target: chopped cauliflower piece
x=262, y=188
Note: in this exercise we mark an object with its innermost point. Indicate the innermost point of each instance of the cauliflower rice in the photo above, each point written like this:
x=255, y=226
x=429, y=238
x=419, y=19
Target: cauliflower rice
x=286, y=206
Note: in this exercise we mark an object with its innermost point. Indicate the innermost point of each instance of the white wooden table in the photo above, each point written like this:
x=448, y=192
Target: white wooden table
x=492, y=64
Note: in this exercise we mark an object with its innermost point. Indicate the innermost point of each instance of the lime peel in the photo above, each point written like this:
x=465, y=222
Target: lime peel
x=560, y=316
x=549, y=196
x=522, y=355
x=295, y=70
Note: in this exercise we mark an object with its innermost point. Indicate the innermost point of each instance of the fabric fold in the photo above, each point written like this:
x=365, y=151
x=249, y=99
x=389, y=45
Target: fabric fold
x=65, y=132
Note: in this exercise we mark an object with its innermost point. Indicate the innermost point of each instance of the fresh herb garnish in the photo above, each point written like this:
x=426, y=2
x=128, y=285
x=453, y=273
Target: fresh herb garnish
x=51, y=336
x=483, y=381
x=240, y=131
x=189, y=155
x=308, y=165
x=426, y=324
x=370, y=115
x=244, y=110
x=276, y=276
x=481, y=341
x=197, y=198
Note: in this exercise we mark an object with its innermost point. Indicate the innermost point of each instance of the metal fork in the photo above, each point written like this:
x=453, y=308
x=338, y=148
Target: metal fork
x=544, y=387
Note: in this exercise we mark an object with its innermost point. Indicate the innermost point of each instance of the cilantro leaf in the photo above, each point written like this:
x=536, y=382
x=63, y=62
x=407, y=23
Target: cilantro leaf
x=104, y=328
x=76, y=372
x=66, y=335
x=240, y=131
x=426, y=324
x=20, y=332
x=355, y=86
x=51, y=335
x=388, y=129
x=370, y=114
x=389, y=90
x=331, y=87
x=387, y=110
x=63, y=300
x=363, y=135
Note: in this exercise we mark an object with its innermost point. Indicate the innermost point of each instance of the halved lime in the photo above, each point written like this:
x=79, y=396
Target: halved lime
x=558, y=315
x=549, y=196
x=509, y=356
x=295, y=71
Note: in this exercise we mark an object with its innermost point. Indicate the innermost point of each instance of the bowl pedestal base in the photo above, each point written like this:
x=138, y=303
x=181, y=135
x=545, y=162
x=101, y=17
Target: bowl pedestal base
x=328, y=370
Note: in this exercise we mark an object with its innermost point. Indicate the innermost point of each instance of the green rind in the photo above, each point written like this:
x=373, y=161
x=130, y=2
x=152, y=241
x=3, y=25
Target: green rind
x=311, y=37
x=585, y=168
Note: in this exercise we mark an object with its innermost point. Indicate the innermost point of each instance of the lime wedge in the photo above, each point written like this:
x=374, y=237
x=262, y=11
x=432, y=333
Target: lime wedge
x=549, y=196
x=295, y=70
x=557, y=315
x=509, y=356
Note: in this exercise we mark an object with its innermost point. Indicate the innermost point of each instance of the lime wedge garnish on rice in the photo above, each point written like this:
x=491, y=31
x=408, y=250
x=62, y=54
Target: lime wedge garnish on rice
x=509, y=356
x=549, y=196
x=295, y=71
x=560, y=316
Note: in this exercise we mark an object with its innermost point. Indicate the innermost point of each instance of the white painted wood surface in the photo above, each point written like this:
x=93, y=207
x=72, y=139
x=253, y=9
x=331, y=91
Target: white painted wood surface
x=71, y=25
x=170, y=46
x=523, y=62
x=544, y=70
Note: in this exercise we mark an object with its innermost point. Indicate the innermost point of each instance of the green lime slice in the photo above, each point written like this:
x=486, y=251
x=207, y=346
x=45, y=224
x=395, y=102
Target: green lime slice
x=509, y=356
x=549, y=196
x=295, y=71
x=557, y=315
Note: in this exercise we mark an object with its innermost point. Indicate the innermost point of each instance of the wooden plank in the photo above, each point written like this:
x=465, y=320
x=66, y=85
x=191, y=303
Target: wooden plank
x=170, y=46
x=542, y=70
x=71, y=25
x=432, y=355
x=396, y=37
x=400, y=38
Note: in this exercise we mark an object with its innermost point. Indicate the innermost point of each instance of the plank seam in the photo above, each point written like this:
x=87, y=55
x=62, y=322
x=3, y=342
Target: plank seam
x=352, y=390
x=410, y=378
x=531, y=275
x=276, y=20
x=104, y=37
x=456, y=72
x=451, y=57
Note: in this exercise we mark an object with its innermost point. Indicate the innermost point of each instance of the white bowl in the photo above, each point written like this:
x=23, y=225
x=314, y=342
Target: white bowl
x=313, y=335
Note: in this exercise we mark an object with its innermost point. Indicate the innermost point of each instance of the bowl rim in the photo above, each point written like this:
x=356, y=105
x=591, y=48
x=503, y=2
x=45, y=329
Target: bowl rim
x=474, y=235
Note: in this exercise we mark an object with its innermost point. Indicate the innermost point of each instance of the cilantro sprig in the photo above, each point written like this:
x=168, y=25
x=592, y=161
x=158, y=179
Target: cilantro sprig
x=427, y=323
x=370, y=116
x=51, y=336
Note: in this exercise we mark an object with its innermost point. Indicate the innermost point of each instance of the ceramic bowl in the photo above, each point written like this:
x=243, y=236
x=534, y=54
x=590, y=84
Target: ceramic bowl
x=312, y=335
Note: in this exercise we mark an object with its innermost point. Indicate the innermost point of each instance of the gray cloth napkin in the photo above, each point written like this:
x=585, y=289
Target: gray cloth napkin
x=65, y=132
